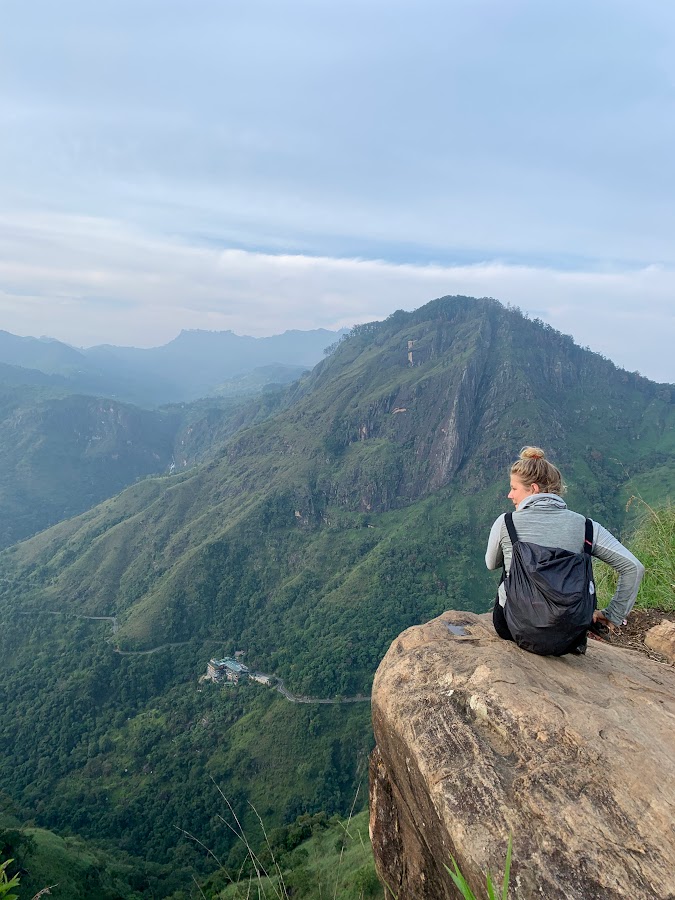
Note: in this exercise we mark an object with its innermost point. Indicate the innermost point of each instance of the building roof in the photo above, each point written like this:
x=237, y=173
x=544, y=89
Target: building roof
x=228, y=663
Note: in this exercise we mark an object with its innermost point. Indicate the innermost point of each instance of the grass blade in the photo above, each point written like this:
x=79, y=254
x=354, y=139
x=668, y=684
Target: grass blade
x=460, y=881
x=507, y=869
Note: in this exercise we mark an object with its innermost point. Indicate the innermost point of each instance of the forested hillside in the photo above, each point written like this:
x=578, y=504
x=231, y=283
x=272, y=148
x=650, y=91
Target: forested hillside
x=63, y=453
x=341, y=511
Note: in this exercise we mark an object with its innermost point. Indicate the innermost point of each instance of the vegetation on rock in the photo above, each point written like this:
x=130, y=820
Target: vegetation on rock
x=653, y=542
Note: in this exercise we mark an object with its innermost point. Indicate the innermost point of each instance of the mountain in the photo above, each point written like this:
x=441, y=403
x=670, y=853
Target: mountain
x=355, y=505
x=367, y=434
x=29, y=360
x=63, y=453
x=45, y=354
x=10, y=374
x=195, y=364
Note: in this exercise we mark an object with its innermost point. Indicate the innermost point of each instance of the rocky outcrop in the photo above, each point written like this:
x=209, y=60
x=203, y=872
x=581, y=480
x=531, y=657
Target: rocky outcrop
x=477, y=740
x=662, y=639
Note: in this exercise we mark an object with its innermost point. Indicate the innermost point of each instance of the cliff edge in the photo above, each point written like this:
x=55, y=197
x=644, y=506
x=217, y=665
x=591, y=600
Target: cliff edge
x=476, y=740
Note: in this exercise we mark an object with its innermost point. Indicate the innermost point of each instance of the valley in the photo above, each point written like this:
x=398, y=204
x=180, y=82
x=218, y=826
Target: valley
x=309, y=525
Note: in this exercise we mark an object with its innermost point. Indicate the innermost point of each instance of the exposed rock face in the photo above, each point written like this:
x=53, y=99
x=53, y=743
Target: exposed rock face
x=662, y=639
x=476, y=739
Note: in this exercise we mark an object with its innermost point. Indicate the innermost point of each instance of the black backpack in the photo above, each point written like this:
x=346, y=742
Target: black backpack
x=550, y=594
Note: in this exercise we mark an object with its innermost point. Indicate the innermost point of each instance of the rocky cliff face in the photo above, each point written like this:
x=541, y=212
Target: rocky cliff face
x=477, y=740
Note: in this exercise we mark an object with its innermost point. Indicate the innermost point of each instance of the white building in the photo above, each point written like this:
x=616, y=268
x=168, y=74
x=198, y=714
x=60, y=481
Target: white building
x=226, y=669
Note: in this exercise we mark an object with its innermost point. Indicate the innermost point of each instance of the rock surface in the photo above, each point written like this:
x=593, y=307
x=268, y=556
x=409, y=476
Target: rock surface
x=661, y=638
x=476, y=739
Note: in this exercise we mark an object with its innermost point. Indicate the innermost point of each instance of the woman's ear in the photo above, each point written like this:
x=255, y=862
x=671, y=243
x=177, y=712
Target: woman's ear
x=534, y=488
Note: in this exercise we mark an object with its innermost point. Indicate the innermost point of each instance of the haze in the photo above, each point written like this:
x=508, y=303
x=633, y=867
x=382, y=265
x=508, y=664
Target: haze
x=289, y=164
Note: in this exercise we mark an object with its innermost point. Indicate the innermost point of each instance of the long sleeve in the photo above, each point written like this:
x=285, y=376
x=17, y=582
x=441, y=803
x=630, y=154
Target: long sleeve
x=494, y=556
x=629, y=568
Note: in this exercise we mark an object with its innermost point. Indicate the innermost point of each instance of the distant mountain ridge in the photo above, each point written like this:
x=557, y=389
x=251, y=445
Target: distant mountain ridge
x=16, y=375
x=45, y=354
x=195, y=364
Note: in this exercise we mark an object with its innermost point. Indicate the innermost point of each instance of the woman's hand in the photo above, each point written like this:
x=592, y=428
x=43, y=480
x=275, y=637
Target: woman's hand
x=599, y=616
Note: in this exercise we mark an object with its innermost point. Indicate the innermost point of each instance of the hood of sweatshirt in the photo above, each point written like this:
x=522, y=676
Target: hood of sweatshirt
x=543, y=501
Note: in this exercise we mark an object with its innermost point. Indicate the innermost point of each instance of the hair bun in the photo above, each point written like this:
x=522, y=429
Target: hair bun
x=532, y=453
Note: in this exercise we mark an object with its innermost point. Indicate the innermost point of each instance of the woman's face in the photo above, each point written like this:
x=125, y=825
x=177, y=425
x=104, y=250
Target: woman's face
x=519, y=492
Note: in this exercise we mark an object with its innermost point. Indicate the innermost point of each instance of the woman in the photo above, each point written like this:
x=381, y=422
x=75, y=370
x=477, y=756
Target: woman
x=542, y=518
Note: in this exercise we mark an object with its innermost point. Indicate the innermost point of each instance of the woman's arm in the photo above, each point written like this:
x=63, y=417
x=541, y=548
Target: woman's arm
x=494, y=557
x=629, y=568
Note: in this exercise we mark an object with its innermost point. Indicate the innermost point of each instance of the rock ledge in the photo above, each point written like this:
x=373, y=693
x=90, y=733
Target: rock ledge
x=476, y=739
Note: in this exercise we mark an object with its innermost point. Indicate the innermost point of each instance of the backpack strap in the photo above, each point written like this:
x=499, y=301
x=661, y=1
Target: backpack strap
x=588, y=537
x=588, y=532
x=508, y=520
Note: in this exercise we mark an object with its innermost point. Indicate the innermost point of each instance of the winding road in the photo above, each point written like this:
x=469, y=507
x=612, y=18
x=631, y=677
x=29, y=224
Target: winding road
x=278, y=682
x=299, y=698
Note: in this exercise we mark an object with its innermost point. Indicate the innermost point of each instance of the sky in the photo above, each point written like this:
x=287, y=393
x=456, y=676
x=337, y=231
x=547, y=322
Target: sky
x=275, y=164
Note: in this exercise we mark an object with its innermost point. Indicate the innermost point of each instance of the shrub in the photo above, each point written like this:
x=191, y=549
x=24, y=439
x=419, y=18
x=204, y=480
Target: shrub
x=7, y=884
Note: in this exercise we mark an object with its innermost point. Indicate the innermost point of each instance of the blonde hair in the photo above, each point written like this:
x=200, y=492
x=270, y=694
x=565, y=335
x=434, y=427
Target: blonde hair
x=534, y=468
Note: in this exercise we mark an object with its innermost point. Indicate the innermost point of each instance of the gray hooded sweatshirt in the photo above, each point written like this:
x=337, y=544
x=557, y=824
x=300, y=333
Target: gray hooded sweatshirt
x=545, y=519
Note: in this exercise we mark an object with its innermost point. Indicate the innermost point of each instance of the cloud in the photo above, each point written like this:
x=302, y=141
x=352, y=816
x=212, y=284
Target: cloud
x=472, y=130
x=101, y=281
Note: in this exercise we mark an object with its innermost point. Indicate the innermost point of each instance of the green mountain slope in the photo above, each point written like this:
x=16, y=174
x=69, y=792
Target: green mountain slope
x=359, y=506
x=63, y=453
x=316, y=857
x=68, y=866
x=279, y=520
